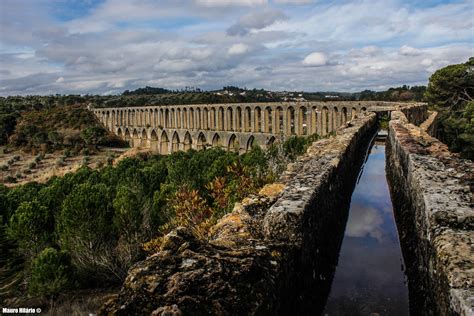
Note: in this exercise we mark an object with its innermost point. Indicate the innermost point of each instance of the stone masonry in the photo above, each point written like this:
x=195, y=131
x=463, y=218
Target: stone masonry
x=432, y=195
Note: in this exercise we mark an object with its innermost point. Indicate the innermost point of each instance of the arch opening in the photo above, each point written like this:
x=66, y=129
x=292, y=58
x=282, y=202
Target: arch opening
x=233, y=144
x=164, y=144
x=201, y=142
x=188, y=141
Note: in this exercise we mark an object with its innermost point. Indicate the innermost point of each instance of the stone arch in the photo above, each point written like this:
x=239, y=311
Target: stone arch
x=198, y=117
x=155, y=120
x=238, y=119
x=216, y=140
x=290, y=120
x=258, y=120
x=188, y=141
x=175, y=142
x=162, y=118
x=270, y=141
x=250, y=143
x=127, y=136
x=302, y=121
x=220, y=119
x=173, y=118
x=120, y=133
x=233, y=144
x=143, y=138
x=185, y=118
x=112, y=118
x=205, y=119
x=167, y=118
x=164, y=143
x=179, y=121
x=279, y=121
x=135, y=138
x=344, y=115
x=213, y=119
x=247, y=120
x=268, y=120
x=314, y=120
x=335, y=118
x=353, y=113
x=154, y=144
x=325, y=121
x=230, y=119
x=191, y=118
x=201, y=141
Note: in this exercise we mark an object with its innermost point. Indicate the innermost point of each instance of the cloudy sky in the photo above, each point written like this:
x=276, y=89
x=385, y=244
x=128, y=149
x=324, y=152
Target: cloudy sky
x=107, y=46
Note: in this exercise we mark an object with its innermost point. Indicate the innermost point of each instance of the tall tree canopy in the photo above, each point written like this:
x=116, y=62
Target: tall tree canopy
x=451, y=92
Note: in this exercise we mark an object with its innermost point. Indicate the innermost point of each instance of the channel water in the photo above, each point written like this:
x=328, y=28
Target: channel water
x=369, y=277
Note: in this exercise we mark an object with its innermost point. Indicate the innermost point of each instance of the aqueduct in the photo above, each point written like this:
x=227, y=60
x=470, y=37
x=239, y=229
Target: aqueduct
x=235, y=127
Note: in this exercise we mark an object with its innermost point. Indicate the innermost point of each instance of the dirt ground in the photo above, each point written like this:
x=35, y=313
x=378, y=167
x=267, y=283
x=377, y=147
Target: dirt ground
x=18, y=167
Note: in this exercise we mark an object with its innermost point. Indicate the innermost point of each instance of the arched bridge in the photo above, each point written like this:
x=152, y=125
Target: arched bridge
x=235, y=127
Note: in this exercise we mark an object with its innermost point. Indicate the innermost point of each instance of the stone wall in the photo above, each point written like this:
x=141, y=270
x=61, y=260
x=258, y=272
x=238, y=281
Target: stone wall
x=275, y=253
x=432, y=196
x=430, y=124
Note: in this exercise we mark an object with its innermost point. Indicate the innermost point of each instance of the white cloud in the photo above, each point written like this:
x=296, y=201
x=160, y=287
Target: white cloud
x=238, y=49
x=293, y=1
x=255, y=21
x=220, y=3
x=315, y=59
x=409, y=51
x=364, y=221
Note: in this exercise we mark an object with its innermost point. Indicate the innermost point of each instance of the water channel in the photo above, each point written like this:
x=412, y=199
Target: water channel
x=369, y=278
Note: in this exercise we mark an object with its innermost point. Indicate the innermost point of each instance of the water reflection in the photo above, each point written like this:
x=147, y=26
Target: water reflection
x=369, y=278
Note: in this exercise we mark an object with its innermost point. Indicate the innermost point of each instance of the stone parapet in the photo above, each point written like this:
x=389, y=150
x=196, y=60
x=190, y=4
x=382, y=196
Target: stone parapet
x=432, y=196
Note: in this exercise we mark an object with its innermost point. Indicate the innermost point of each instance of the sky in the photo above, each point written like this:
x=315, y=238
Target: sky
x=107, y=46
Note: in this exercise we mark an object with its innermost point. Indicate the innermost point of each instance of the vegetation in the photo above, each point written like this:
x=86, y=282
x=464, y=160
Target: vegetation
x=403, y=93
x=84, y=230
x=451, y=92
x=42, y=124
x=51, y=273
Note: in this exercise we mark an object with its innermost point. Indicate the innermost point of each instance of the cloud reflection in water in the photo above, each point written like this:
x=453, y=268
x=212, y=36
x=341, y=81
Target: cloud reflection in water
x=369, y=276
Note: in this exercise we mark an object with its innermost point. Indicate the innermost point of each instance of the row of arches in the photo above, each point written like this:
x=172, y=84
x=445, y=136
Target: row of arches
x=165, y=142
x=288, y=120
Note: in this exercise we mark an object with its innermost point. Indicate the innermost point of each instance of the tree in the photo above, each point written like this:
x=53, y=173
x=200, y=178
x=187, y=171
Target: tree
x=451, y=92
x=94, y=135
x=7, y=126
x=128, y=203
x=31, y=225
x=51, y=273
x=86, y=230
x=452, y=86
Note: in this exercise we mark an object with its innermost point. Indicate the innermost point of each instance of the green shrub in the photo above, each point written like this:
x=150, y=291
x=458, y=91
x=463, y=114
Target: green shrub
x=51, y=273
x=4, y=167
x=10, y=179
x=294, y=146
x=86, y=160
x=32, y=165
x=31, y=225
